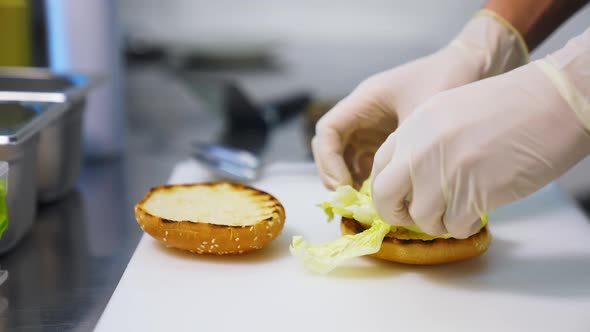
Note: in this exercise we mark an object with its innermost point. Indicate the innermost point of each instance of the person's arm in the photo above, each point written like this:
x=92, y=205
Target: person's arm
x=535, y=19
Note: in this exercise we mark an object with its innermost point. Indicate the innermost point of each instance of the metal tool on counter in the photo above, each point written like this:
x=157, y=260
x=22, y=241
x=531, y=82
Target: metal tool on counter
x=235, y=164
x=60, y=146
x=248, y=126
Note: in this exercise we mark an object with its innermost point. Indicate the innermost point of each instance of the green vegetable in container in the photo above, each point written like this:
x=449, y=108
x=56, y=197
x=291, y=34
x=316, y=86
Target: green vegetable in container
x=3, y=208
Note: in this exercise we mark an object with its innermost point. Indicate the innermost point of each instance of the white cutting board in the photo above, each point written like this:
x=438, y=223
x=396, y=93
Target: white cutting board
x=535, y=277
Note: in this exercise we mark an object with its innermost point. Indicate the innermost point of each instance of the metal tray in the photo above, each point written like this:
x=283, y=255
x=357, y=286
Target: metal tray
x=20, y=127
x=43, y=85
x=60, y=145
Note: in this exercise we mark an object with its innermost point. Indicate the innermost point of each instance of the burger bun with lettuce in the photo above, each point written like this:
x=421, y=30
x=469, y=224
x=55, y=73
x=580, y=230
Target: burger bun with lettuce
x=366, y=234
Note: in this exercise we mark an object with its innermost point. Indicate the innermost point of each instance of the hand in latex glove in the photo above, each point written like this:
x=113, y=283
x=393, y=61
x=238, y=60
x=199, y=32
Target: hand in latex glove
x=470, y=150
x=348, y=136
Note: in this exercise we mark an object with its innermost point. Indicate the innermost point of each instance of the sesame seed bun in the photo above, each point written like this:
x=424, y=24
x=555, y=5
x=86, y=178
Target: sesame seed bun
x=424, y=252
x=211, y=218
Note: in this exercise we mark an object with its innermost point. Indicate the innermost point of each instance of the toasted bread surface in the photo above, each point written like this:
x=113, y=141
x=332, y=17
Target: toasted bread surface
x=213, y=218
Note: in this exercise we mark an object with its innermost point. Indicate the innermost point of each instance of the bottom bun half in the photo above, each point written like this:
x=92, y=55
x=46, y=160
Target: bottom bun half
x=425, y=252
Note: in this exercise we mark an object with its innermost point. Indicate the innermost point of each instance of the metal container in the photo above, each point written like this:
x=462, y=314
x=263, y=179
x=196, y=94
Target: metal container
x=60, y=147
x=20, y=128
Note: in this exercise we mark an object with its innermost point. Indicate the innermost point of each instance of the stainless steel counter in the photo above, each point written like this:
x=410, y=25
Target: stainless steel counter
x=63, y=273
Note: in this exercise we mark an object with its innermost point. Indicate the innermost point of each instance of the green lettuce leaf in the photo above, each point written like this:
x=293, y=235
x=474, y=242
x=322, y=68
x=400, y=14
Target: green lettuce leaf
x=325, y=257
x=345, y=201
x=3, y=208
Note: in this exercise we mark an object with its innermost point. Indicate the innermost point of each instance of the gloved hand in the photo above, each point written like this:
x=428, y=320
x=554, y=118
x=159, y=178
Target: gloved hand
x=348, y=136
x=470, y=150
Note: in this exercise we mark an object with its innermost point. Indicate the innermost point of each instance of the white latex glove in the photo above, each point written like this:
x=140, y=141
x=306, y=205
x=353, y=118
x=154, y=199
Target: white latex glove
x=348, y=136
x=470, y=150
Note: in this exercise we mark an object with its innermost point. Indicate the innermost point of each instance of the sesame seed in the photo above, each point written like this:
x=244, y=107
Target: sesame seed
x=164, y=239
x=255, y=238
x=251, y=228
x=269, y=234
x=216, y=245
x=241, y=252
x=238, y=246
x=166, y=233
x=213, y=241
x=237, y=239
x=205, y=242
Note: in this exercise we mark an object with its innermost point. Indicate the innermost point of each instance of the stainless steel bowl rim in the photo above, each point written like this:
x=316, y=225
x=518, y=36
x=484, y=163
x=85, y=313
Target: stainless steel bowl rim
x=81, y=85
x=50, y=112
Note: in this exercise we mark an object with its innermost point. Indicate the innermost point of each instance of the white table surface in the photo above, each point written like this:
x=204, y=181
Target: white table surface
x=535, y=277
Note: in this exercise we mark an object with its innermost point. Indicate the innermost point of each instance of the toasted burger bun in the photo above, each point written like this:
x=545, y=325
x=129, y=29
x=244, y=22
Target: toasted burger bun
x=424, y=252
x=211, y=218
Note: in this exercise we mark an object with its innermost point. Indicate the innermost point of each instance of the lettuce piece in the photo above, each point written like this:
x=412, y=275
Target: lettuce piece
x=366, y=188
x=325, y=257
x=345, y=201
x=3, y=208
x=328, y=210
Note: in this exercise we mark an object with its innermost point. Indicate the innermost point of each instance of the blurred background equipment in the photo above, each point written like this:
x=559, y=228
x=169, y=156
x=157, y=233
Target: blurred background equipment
x=84, y=37
x=324, y=47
